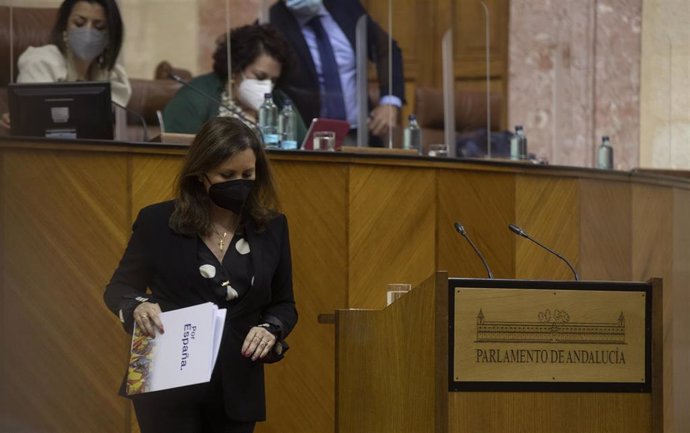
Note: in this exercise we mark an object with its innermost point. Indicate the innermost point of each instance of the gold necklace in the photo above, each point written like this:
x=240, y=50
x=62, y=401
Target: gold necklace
x=221, y=242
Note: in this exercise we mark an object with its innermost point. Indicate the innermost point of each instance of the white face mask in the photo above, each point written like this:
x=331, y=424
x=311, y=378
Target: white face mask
x=87, y=43
x=304, y=7
x=251, y=92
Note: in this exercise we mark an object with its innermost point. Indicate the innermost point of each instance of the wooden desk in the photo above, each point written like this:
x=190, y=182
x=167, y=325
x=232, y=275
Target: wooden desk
x=357, y=222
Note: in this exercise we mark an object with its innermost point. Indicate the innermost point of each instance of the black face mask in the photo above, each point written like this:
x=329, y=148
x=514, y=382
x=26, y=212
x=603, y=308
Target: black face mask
x=232, y=194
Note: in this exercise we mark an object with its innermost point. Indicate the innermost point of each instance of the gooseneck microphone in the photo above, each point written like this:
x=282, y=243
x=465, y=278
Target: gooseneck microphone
x=520, y=232
x=138, y=116
x=215, y=99
x=461, y=230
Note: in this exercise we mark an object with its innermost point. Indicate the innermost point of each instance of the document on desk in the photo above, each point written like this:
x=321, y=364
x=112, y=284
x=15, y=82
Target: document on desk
x=184, y=355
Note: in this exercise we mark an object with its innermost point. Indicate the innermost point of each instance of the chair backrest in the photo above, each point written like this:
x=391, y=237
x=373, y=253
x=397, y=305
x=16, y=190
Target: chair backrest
x=470, y=109
x=148, y=96
x=470, y=113
x=30, y=27
x=164, y=69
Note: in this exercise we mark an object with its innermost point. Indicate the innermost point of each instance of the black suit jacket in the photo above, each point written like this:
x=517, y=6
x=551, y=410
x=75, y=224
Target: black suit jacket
x=166, y=262
x=301, y=83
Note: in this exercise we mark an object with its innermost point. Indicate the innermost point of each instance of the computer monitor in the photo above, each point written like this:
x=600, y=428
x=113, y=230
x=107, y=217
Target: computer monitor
x=61, y=110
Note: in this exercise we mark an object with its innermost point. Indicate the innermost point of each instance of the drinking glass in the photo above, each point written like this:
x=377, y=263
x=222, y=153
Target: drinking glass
x=324, y=140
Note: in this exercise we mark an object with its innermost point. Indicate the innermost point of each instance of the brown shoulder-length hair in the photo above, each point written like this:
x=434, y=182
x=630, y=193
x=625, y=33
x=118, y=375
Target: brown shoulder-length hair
x=219, y=139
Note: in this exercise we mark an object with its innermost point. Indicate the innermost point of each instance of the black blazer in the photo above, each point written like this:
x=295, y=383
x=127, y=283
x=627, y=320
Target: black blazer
x=301, y=83
x=166, y=262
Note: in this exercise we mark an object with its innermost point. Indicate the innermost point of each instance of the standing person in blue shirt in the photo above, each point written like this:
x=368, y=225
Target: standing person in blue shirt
x=302, y=22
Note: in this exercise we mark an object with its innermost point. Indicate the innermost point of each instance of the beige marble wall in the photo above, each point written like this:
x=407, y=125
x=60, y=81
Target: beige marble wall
x=665, y=138
x=574, y=76
x=212, y=23
x=157, y=30
x=665, y=92
x=182, y=32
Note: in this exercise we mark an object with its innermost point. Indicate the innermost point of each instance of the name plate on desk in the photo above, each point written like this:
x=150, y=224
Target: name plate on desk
x=554, y=336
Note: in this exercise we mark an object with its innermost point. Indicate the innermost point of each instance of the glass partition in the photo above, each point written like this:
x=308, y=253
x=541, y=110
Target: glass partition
x=471, y=34
x=362, y=81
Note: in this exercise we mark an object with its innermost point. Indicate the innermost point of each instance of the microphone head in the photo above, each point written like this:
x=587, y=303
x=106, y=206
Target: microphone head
x=517, y=230
x=459, y=228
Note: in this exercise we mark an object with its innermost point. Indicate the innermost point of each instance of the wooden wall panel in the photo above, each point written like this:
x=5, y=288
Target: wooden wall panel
x=652, y=242
x=64, y=219
x=470, y=40
x=419, y=47
x=484, y=204
x=153, y=179
x=652, y=255
x=420, y=60
x=314, y=200
x=69, y=208
x=548, y=210
x=676, y=291
x=392, y=221
x=365, y=375
x=548, y=412
x=605, y=231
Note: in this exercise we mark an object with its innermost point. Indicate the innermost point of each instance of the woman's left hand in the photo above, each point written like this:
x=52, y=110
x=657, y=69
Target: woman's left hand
x=258, y=343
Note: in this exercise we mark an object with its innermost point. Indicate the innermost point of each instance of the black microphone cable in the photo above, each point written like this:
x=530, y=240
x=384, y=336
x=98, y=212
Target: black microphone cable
x=520, y=232
x=230, y=108
x=461, y=230
x=138, y=116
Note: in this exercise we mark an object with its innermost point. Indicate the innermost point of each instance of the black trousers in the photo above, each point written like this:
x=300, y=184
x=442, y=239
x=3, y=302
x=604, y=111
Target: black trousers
x=192, y=409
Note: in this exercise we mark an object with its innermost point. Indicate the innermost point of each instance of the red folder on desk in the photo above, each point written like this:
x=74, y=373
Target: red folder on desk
x=340, y=127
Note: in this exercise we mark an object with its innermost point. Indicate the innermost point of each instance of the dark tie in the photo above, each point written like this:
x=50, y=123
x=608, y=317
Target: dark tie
x=332, y=104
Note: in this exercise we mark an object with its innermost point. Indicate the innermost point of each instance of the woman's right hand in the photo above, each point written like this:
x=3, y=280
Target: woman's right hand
x=148, y=318
x=5, y=120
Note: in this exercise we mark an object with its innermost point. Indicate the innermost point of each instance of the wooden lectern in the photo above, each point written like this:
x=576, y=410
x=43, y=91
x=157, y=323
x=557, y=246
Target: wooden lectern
x=497, y=356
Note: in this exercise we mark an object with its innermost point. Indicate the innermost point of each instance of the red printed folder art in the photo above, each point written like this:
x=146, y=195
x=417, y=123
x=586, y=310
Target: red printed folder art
x=184, y=355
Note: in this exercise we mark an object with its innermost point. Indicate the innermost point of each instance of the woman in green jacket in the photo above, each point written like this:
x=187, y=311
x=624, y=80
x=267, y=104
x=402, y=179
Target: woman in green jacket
x=260, y=55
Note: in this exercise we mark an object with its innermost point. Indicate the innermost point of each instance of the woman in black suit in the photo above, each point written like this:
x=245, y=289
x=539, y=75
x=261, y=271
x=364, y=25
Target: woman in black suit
x=221, y=240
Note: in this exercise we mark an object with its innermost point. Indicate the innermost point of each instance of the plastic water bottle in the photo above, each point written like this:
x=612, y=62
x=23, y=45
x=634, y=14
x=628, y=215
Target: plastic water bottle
x=412, y=137
x=605, y=154
x=268, y=122
x=287, y=127
x=518, y=144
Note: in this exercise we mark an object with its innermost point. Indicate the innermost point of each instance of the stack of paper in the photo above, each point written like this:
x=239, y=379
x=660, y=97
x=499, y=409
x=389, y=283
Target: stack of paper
x=184, y=355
